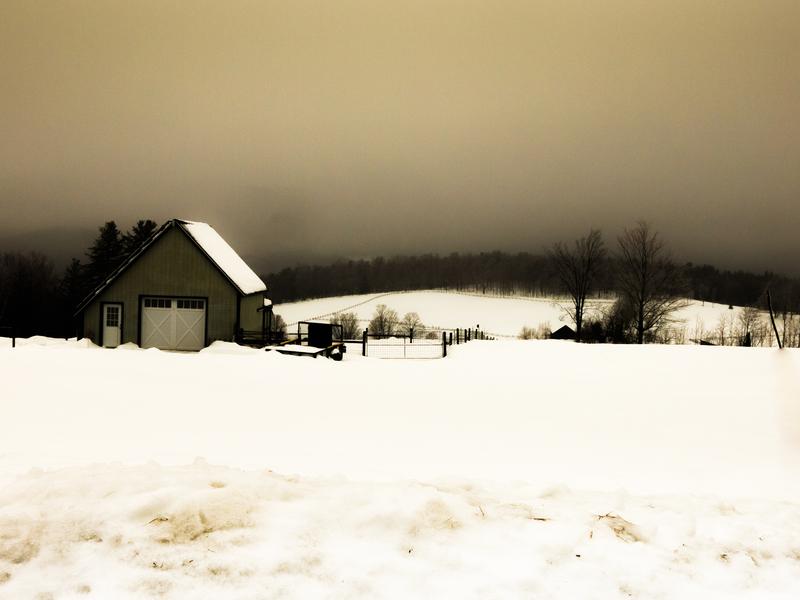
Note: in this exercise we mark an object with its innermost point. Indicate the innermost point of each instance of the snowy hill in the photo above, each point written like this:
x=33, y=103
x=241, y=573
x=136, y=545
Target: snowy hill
x=498, y=315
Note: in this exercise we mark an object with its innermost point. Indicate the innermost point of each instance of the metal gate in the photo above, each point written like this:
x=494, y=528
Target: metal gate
x=403, y=347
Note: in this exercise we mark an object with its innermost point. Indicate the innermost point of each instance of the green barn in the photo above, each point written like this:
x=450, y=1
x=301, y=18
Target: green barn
x=184, y=288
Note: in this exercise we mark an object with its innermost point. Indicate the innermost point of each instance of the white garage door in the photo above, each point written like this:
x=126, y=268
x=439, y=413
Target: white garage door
x=174, y=323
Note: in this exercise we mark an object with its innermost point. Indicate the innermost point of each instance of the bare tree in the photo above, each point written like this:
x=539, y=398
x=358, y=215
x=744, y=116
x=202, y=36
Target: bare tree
x=648, y=281
x=349, y=324
x=576, y=268
x=726, y=330
x=772, y=320
x=749, y=319
x=785, y=296
x=384, y=321
x=278, y=326
x=411, y=322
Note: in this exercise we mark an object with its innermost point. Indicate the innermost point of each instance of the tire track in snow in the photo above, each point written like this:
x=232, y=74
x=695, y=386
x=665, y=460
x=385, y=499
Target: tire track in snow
x=395, y=293
x=352, y=306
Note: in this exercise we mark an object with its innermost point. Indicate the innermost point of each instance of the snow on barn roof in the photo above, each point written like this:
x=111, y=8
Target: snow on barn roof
x=225, y=257
x=210, y=243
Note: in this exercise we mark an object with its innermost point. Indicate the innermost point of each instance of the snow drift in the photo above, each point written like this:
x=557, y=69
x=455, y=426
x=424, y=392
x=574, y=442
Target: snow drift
x=649, y=419
x=199, y=532
x=509, y=469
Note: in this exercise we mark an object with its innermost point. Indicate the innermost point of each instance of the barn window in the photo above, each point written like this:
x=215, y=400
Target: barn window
x=191, y=304
x=157, y=303
x=112, y=316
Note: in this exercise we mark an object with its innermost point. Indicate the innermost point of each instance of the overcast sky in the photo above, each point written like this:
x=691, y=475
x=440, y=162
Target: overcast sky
x=308, y=130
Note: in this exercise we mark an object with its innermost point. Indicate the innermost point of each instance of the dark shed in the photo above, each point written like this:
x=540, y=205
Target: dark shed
x=563, y=333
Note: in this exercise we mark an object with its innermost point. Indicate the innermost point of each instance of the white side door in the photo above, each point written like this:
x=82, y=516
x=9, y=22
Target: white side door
x=112, y=325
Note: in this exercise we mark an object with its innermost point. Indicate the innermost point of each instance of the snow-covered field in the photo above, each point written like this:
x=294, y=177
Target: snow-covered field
x=498, y=315
x=508, y=470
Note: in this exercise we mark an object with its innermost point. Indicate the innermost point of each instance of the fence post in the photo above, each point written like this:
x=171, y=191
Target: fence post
x=364, y=344
x=410, y=335
x=444, y=344
x=451, y=338
x=458, y=336
x=772, y=318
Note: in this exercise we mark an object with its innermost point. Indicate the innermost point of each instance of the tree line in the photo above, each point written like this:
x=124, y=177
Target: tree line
x=639, y=272
x=36, y=300
x=385, y=322
x=491, y=272
x=500, y=273
x=649, y=287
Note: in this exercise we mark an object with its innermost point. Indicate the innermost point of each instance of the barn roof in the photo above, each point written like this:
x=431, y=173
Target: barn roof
x=210, y=243
x=225, y=257
x=562, y=333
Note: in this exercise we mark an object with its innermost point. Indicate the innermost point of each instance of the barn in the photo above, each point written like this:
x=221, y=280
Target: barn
x=184, y=288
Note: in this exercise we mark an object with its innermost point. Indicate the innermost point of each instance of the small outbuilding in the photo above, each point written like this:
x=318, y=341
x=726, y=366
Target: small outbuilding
x=563, y=333
x=184, y=288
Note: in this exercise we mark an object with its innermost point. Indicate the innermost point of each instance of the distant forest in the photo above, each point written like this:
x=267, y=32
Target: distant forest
x=495, y=273
x=36, y=299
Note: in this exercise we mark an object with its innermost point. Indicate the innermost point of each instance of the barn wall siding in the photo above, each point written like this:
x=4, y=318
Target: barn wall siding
x=172, y=266
x=91, y=322
x=250, y=317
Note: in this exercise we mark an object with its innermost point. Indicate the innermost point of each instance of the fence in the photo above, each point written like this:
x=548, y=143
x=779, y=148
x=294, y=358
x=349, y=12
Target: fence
x=402, y=346
x=407, y=346
x=300, y=335
x=10, y=331
x=375, y=345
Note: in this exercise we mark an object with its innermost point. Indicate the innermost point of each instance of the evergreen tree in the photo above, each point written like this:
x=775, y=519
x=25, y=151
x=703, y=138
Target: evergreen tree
x=137, y=235
x=73, y=286
x=105, y=254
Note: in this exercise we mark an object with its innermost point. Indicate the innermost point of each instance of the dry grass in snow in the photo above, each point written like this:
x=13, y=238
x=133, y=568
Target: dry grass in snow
x=212, y=532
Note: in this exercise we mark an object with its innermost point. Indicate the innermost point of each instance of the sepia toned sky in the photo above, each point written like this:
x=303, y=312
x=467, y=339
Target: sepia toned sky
x=312, y=130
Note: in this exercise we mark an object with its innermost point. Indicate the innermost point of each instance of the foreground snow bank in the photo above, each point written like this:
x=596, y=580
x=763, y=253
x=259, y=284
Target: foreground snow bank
x=655, y=419
x=509, y=469
x=199, y=532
